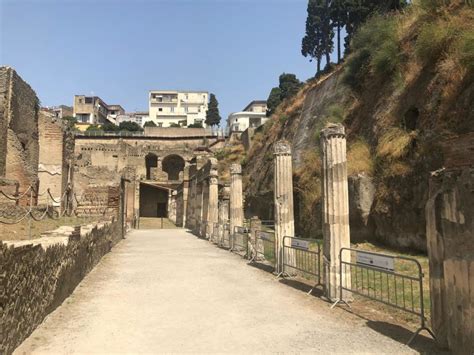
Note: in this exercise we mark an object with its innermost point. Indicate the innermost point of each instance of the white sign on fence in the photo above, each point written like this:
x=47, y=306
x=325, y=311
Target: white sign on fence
x=300, y=244
x=381, y=261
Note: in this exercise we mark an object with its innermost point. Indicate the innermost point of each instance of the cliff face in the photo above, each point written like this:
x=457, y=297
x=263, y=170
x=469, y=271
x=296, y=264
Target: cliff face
x=396, y=127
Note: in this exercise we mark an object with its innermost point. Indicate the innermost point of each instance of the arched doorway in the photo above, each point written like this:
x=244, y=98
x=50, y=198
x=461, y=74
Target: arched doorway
x=151, y=161
x=173, y=165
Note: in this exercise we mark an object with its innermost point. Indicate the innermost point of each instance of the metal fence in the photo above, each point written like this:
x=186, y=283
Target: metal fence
x=240, y=241
x=302, y=257
x=396, y=281
x=264, y=248
x=224, y=241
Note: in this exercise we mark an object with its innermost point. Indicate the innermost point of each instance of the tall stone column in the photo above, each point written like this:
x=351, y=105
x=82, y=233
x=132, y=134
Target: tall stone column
x=335, y=201
x=213, y=213
x=223, y=212
x=283, y=197
x=198, y=207
x=204, y=208
x=236, y=204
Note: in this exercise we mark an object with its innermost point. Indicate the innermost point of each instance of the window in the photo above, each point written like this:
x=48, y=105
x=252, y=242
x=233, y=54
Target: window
x=160, y=109
x=186, y=109
x=172, y=108
x=80, y=101
x=88, y=100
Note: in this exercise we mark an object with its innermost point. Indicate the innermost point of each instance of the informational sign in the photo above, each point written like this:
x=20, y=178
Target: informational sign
x=266, y=236
x=300, y=244
x=385, y=262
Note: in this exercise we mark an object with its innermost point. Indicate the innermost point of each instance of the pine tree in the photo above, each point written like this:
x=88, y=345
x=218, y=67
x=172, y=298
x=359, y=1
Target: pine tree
x=212, y=114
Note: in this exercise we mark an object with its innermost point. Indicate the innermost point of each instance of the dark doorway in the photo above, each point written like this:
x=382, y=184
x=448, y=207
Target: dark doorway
x=173, y=165
x=162, y=209
x=153, y=201
x=151, y=161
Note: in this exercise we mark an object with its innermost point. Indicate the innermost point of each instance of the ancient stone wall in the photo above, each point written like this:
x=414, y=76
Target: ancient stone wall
x=36, y=276
x=56, y=156
x=19, y=150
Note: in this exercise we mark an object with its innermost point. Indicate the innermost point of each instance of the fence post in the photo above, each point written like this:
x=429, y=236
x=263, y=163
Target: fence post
x=236, y=205
x=335, y=201
x=283, y=195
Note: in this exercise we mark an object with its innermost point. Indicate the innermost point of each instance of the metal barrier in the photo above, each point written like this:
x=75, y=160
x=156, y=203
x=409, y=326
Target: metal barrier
x=268, y=224
x=304, y=256
x=264, y=248
x=380, y=277
x=240, y=241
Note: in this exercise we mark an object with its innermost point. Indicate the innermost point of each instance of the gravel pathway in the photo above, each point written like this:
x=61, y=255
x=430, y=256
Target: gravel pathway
x=168, y=291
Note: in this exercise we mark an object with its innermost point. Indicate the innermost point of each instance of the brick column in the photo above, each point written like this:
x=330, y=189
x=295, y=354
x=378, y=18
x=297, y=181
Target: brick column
x=236, y=205
x=283, y=197
x=335, y=200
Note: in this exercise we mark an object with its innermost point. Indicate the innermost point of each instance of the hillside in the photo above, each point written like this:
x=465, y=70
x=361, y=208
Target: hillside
x=406, y=87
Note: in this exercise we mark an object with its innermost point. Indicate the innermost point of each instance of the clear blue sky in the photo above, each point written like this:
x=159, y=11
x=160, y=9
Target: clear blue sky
x=120, y=49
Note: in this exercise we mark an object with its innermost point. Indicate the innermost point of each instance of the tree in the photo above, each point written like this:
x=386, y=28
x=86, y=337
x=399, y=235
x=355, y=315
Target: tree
x=195, y=125
x=109, y=127
x=130, y=126
x=212, y=114
x=149, y=124
x=289, y=85
x=94, y=128
x=273, y=101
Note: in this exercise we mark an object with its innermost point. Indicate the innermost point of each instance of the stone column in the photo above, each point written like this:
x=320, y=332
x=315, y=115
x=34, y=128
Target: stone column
x=255, y=225
x=283, y=198
x=204, y=208
x=212, y=214
x=198, y=207
x=236, y=204
x=223, y=212
x=335, y=206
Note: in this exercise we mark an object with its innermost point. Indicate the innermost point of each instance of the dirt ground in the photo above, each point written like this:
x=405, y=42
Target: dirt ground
x=168, y=291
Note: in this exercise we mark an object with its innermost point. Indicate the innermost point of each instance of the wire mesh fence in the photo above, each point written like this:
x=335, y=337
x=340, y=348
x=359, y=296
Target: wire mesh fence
x=240, y=240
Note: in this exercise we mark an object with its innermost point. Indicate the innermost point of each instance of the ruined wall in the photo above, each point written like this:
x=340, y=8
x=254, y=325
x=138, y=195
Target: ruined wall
x=56, y=156
x=450, y=235
x=38, y=275
x=19, y=150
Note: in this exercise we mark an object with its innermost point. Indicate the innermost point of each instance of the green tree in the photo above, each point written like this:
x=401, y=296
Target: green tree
x=149, y=124
x=289, y=85
x=130, y=126
x=273, y=101
x=109, y=127
x=94, y=128
x=175, y=125
x=195, y=125
x=212, y=114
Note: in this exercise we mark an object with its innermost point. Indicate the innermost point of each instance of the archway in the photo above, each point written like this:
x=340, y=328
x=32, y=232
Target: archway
x=173, y=165
x=151, y=161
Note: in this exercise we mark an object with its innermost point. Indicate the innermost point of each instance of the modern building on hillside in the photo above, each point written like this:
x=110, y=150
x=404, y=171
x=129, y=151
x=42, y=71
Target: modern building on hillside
x=253, y=115
x=60, y=111
x=169, y=107
x=138, y=117
x=89, y=110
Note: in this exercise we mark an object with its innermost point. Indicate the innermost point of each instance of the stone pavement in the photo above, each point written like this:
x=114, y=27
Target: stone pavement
x=168, y=291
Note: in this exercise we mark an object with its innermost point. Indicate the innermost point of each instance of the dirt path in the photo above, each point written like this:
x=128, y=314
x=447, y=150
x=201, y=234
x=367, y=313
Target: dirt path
x=168, y=291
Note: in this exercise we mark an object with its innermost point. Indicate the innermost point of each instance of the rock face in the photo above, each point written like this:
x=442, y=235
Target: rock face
x=37, y=275
x=361, y=199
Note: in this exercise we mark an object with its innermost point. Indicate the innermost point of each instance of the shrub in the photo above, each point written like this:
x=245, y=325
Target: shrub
x=359, y=158
x=466, y=50
x=394, y=144
x=195, y=125
x=432, y=40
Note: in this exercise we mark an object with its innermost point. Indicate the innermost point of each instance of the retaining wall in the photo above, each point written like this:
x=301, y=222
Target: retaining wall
x=37, y=275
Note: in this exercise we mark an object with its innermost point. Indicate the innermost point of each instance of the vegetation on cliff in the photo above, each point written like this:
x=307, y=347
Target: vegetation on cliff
x=406, y=86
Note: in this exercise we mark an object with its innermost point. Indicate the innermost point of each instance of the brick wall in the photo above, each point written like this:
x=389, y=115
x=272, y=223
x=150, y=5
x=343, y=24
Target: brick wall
x=36, y=276
x=19, y=149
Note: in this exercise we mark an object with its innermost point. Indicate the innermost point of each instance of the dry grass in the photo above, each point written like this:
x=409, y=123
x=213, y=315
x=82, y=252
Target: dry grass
x=359, y=159
x=229, y=155
x=394, y=143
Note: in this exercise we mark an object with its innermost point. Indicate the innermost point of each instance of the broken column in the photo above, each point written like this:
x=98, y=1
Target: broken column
x=212, y=214
x=335, y=206
x=283, y=198
x=236, y=205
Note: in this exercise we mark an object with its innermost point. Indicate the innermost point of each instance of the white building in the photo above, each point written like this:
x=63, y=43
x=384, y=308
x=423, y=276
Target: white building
x=253, y=115
x=168, y=107
x=137, y=117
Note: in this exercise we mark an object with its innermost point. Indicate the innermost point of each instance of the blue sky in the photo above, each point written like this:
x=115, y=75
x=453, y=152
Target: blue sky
x=120, y=49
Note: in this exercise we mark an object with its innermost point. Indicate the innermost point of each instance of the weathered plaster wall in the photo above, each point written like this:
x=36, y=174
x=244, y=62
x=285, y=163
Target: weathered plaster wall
x=36, y=276
x=19, y=149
